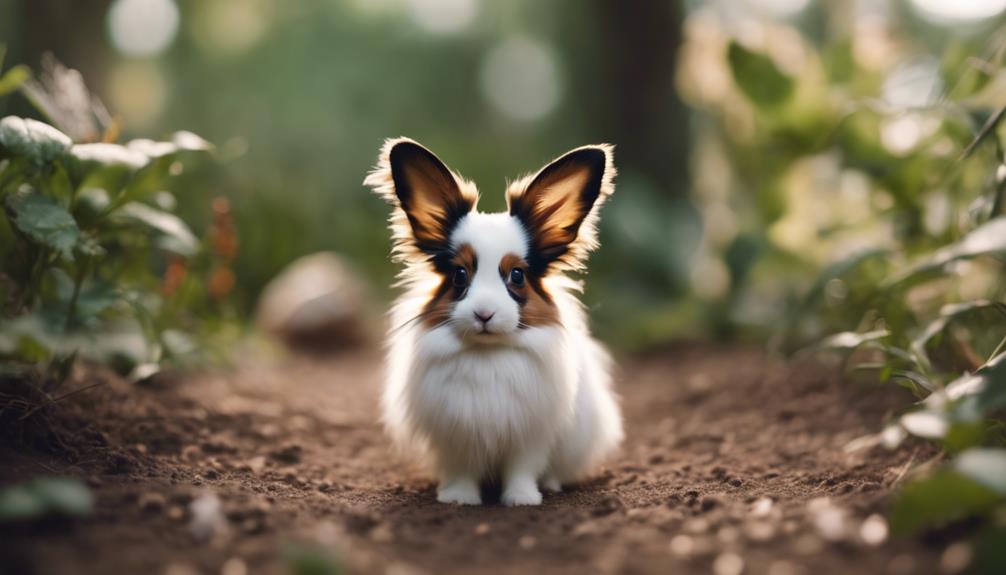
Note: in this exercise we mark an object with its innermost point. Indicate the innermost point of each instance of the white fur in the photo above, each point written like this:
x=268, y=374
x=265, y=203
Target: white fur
x=527, y=405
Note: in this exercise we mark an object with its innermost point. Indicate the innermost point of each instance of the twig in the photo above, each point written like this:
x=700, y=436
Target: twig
x=58, y=399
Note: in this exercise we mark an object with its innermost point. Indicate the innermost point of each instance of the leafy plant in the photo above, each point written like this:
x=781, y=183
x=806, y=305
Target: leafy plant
x=898, y=210
x=45, y=496
x=94, y=260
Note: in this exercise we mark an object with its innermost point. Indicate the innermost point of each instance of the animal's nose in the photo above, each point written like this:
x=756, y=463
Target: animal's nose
x=484, y=315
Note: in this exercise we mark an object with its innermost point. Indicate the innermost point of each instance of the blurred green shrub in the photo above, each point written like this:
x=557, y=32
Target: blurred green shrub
x=876, y=201
x=94, y=261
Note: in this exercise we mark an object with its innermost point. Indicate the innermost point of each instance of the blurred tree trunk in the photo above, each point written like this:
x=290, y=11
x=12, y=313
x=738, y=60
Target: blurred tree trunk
x=73, y=30
x=623, y=62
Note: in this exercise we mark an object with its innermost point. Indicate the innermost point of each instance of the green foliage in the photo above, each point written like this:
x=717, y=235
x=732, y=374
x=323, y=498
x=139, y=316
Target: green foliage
x=44, y=221
x=46, y=496
x=896, y=210
x=94, y=260
x=311, y=560
x=758, y=77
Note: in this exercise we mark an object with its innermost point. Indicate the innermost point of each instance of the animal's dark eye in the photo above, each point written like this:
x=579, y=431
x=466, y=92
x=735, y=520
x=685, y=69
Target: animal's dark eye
x=517, y=277
x=460, y=277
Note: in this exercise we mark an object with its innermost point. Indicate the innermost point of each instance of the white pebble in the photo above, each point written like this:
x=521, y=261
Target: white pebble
x=728, y=564
x=874, y=530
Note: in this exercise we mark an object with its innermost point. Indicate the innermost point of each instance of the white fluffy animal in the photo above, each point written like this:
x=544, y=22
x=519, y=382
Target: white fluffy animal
x=492, y=372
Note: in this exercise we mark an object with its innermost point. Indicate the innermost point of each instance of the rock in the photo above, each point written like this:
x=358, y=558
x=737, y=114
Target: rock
x=728, y=564
x=207, y=517
x=759, y=530
x=289, y=454
x=316, y=303
x=762, y=507
x=606, y=506
x=682, y=545
x=176, y=513
x=255, y=464
x=151, y=502
x=874, y=530
x=382, y=533
x=234, y=566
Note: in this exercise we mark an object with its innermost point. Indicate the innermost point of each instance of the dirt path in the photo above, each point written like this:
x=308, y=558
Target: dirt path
x=726, y=459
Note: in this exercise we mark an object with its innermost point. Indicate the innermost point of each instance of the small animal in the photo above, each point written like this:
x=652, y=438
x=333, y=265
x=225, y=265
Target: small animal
x=492, y=374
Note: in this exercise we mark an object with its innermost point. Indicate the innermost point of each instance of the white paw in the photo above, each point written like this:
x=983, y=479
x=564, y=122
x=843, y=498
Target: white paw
x=460, y=491
x=551, y=484
x=521, y=493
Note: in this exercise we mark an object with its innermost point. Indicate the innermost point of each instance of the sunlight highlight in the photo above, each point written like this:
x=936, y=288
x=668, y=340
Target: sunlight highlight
x=959, y=11
x=779, y=8
x=443, y=16
x=143, y=27
x=520, y=78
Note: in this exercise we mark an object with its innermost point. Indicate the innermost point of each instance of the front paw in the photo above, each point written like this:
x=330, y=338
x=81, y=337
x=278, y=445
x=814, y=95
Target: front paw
x=459, y=491
x=521, y=493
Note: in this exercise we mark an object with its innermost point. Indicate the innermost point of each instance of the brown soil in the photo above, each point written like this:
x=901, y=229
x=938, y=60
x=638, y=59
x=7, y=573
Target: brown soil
x=294, y=452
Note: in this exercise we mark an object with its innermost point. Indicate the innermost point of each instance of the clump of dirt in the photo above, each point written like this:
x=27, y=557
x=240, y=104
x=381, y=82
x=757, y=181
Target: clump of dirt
x=732, y=462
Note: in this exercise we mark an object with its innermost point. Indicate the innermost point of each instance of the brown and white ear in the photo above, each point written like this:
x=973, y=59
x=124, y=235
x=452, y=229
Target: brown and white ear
x=559, y=206
x=429, y=199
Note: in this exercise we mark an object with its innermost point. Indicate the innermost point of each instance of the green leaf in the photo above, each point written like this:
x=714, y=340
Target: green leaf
x=987, y=239
x=46, y=496
x=927, y=424
x=985, y=465
x=310, y=560
x=949, y=313
x=152, y=149
x=939, y=499
x=990, y=553
x=13, y=79
x=95, y=298
x=39, y=142
x=758, y=77
x=45, y=221
x=850, y=340
x=188, y=141
x=65, y=495
x=91, y=156
x=180, y=238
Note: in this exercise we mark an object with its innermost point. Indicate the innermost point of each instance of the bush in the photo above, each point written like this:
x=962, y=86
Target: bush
x=94, y=260
x=897, y=209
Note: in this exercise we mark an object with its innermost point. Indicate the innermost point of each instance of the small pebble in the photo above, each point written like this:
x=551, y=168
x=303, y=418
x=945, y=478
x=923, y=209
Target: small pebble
x=152, y=502
x=728, y=564
x=782, y=567
x=762, y=507
x=234, y=566
x=682, y=545
x=874, y=530
x=955, y=558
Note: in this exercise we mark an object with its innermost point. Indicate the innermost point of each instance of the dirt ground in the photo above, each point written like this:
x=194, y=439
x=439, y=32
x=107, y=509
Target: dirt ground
x=732, y=462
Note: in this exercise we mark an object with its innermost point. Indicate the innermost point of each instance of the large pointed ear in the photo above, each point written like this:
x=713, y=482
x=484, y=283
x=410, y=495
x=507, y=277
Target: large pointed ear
x=559, y=206
x=429, y=199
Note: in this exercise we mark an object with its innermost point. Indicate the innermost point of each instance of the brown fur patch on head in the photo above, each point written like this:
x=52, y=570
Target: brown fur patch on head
x=438, y=309
x=559, y=206
x=429, y=198
x=536, y=305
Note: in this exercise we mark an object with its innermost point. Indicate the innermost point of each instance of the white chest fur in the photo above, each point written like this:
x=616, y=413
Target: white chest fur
x=478, y=404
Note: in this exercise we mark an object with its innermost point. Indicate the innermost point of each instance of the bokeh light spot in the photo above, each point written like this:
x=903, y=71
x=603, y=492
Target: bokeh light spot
x=231, y=26
x=520, y=78
x=780, y=8
x=443, y=16
x=959, y=10
x=142, y=27
x=138, y=91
